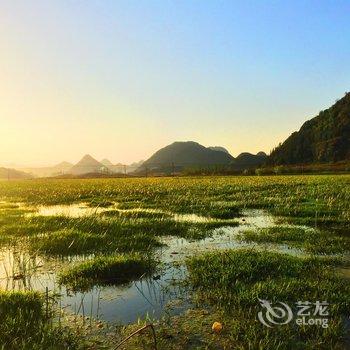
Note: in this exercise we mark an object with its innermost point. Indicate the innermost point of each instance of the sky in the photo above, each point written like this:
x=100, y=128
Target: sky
x=119, y=79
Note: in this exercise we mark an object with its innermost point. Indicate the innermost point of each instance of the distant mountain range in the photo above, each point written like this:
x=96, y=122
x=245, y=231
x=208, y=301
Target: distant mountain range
x=89, y=165
x=85, y=166
x=57, y=169
x=180, y=155
x=323, y=139
x=12, y=174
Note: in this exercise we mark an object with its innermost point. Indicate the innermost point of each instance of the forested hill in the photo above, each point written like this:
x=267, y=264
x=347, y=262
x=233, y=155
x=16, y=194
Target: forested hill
x=325, y=138
x=187, y=153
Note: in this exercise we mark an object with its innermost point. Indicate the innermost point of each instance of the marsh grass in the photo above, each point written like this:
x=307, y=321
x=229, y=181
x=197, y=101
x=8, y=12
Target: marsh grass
x=26, y=323
x=100, y=203
x=107, y=270
x=9, y=206
x=308, y=239
x=69, y=242
x=232, y=282
x=139, y=214
x=224, y=212
x=245, y=274
x=64, y=235
x=287, y=195
x=227, y=283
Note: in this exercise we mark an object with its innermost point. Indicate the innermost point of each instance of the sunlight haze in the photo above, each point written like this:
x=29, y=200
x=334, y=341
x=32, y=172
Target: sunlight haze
x=121, y=79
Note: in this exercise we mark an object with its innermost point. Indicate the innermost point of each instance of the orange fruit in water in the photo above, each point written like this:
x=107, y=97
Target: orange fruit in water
x=217, y=327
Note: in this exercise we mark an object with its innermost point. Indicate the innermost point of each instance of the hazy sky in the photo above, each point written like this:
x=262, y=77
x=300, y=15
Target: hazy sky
x=122, y=78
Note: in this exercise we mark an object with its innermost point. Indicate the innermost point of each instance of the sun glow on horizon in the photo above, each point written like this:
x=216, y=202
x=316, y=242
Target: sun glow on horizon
x=119, y=80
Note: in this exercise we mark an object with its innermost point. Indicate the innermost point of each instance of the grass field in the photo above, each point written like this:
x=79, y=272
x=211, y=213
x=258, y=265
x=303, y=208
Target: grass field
x=109, y=232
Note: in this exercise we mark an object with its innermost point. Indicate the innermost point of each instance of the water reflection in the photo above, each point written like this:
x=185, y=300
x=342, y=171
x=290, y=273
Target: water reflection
x=152, y=296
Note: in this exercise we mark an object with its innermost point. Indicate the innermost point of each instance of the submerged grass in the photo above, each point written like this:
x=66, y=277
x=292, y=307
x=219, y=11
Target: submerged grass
x=107, y=270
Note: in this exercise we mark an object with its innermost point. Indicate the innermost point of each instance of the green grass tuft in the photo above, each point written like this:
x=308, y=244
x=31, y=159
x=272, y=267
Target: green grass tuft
x=107, y=270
